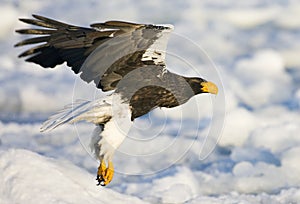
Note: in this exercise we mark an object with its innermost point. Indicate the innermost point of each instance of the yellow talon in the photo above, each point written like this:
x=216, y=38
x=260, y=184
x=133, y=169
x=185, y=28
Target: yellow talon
x=105, y=175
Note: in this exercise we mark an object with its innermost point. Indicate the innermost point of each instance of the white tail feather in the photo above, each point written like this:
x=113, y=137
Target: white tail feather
x=92, y=111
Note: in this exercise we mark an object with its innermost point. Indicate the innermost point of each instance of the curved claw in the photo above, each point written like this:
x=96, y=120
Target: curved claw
x=105, y=175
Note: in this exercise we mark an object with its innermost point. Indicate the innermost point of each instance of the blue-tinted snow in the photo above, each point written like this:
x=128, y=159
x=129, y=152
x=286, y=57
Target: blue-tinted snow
x=255, y=46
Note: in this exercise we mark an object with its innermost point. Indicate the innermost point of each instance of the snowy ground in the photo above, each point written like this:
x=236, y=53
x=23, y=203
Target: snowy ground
x=255, y=46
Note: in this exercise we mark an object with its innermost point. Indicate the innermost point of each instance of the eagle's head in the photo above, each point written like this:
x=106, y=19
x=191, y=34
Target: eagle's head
x=200, y=85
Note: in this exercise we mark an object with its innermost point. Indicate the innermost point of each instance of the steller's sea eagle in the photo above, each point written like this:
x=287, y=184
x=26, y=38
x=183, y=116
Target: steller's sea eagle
x=128, y=58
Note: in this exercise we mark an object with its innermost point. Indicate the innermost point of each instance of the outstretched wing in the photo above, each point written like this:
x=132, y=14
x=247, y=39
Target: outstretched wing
x=103, y=53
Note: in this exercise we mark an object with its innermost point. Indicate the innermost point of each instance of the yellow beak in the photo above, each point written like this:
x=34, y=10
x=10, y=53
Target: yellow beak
x=209, y=87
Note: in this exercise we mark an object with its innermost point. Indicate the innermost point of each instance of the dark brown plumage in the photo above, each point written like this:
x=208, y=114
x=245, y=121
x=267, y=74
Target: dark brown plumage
x=120, y=46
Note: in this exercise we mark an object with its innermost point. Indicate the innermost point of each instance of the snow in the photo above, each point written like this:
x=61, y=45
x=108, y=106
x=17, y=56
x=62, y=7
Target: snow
x=167, y=156
x=258, y=74
x=249, y=18
x=25, y=173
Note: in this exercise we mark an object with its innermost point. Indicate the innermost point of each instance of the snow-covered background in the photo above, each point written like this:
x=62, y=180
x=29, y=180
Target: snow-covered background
x=255, y=46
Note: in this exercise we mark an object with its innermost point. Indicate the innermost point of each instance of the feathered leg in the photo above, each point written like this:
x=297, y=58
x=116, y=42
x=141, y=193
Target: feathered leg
x=104, y=150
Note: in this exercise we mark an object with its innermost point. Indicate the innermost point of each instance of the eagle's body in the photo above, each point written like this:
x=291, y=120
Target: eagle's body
x=125, y=57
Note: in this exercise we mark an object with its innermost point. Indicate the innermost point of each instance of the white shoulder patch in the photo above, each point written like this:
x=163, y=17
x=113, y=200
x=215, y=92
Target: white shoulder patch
x=157, y=51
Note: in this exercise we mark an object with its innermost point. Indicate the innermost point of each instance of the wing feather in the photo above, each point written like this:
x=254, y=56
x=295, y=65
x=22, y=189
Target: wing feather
x=103, y=53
